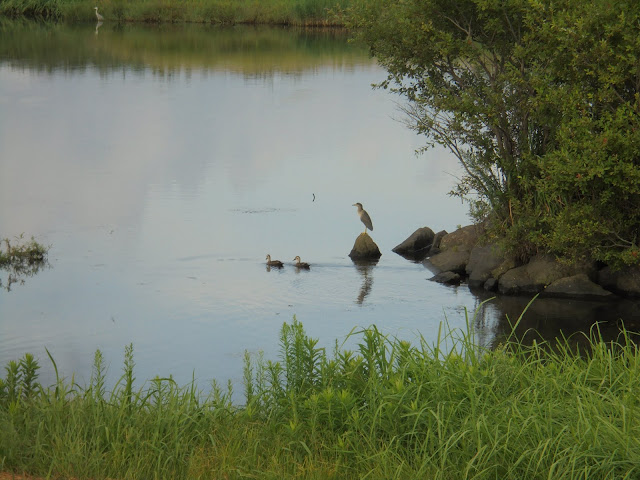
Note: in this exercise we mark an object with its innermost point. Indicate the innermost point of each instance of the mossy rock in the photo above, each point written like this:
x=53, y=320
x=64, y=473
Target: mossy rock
x=364, y=248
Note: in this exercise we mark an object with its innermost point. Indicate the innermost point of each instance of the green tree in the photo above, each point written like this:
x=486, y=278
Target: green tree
x=538, y=100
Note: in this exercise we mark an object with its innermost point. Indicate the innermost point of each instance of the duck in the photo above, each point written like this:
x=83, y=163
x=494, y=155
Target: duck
x=274, y=263
x=300, y=264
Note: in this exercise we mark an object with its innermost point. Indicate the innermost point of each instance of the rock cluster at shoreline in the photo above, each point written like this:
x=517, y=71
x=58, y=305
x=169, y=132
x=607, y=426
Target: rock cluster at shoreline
x=459, y=257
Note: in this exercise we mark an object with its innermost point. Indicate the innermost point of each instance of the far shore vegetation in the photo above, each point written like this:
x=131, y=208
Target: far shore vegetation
x=227, y=12
x=387, y=410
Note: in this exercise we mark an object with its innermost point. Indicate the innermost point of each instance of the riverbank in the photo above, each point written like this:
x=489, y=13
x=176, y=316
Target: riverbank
x=272, y=12
x=386, y=410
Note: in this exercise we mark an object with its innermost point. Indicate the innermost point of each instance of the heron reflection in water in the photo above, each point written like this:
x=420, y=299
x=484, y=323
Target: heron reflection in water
x=364, y=268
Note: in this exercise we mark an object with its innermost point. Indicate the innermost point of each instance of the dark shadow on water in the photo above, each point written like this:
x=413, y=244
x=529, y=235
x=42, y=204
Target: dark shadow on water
x=364, y=268
x=417, y=256
x=550, y=319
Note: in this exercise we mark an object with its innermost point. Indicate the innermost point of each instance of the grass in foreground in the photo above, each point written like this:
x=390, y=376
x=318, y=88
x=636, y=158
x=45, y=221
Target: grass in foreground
x=281, y=12
x=386, y=410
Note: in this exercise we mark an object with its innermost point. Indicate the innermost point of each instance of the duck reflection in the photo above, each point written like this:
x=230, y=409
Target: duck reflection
x=364, y=268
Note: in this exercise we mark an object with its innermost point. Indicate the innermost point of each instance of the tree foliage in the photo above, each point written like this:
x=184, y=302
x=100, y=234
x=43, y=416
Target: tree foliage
x=539, y=101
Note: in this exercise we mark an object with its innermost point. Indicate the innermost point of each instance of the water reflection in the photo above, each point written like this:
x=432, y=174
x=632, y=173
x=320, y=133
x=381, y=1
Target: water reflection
x=365, y=269
x=18, y=275
x=163, y=163
x=257, y=52
x=20, y=263
x=553, y=319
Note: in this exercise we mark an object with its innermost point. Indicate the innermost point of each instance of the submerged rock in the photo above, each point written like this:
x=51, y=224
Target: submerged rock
x=624, y=282
x=577, y=286
x=533, y=277
x=448, y=278
x=364, y=248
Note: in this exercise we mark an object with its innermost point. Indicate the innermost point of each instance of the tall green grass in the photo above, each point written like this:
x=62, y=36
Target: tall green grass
x=286, y=12
x=386, y=410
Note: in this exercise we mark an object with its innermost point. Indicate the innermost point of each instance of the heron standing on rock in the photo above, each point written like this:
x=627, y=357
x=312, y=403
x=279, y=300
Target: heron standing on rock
x=364, y=217
x=98, y=16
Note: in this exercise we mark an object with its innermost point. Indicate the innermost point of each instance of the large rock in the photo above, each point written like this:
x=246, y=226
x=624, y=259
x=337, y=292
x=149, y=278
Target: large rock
x=418, y=244
x=465, y=237
x=624, y=282
x=455, y=248
x=448, y=278
x=577, y=286
x=453, y=260
x=437, y=239
x=364, y=248
x=459, y=257
x=482, y=261
x=542, y=270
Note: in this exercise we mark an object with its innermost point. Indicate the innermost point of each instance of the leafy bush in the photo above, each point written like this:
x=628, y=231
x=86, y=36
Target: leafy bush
x=539, y=101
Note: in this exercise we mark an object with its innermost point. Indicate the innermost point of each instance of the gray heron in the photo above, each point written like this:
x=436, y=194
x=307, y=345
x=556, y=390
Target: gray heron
x=364, y=217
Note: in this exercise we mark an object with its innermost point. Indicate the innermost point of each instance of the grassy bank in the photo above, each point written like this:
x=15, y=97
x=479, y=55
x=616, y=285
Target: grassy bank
x=281, y=12
x=387, y=410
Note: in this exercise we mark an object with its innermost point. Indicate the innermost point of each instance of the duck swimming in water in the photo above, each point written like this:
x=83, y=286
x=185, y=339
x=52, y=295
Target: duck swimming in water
x=274, y=263
x=300, y=264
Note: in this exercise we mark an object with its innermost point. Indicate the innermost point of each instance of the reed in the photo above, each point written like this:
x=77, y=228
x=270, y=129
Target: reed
x=387, y=409
x=20, y=259
x=19, y=253
x=282, y=12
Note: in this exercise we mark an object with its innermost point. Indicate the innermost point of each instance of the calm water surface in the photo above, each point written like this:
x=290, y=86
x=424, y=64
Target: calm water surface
x=162, y=165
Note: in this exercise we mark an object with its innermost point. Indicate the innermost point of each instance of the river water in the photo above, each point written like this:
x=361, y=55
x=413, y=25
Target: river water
x=162, y=164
